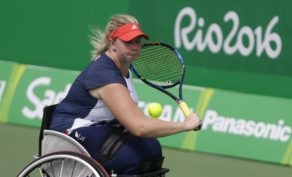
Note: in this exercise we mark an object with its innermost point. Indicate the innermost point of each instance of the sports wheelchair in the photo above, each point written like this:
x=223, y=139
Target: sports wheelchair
x=62, y=156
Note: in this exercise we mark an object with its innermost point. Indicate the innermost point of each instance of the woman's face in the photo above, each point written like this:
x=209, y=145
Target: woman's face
x=127, y=51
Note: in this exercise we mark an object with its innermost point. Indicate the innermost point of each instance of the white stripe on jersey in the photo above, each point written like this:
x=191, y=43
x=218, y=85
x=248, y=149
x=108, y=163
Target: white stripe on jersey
x=100, y=111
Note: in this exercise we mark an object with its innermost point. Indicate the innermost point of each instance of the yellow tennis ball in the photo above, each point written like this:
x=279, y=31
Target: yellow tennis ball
x=154, y=110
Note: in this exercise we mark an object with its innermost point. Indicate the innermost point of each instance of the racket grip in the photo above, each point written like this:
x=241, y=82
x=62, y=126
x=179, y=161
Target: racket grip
x=185, y=108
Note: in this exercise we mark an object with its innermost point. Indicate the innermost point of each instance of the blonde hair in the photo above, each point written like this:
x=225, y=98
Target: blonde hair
x=100, y=41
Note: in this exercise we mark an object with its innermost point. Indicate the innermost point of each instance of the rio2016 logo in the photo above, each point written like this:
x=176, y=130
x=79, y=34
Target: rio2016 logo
x=259, y=39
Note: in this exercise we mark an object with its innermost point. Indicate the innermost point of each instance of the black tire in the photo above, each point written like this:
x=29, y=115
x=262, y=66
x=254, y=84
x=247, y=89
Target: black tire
x=63, y=164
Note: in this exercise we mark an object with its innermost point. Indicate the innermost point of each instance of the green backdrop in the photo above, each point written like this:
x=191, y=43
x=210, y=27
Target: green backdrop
x=233, y=45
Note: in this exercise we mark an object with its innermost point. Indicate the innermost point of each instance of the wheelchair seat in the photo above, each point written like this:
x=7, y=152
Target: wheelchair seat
x=54, y=141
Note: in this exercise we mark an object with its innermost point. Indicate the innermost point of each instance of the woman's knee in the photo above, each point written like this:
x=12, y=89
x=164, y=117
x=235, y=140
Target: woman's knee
x=137, y=155
x=153, y=146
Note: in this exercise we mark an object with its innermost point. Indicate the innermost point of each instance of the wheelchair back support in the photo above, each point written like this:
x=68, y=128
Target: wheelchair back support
x=46, y=121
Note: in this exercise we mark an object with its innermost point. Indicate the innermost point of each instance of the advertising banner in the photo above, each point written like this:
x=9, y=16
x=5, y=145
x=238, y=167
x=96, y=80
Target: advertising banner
x=234, y=124
x=7, y=82
x=36, y=88
x=250, y=126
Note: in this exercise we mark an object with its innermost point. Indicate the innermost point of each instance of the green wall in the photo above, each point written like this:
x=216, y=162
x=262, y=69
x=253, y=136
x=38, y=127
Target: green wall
x=52, y=33
x=243, y=45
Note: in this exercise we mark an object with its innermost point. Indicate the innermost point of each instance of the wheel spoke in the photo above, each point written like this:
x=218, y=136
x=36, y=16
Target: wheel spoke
x=52, y=168
x=73, y=168
x=41, y=171
x=82, y=171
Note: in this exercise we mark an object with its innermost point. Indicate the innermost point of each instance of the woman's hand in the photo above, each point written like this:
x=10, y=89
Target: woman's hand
x=192, y=122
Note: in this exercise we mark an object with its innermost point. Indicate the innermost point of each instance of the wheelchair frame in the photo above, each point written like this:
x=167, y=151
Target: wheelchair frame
x=62, y=156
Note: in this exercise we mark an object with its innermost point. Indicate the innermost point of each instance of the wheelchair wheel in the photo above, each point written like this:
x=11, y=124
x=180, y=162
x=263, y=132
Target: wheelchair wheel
x=63, y=164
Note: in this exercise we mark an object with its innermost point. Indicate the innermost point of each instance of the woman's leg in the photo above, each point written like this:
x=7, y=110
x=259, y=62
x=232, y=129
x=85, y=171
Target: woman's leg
x=136, y=154
x=92, y=138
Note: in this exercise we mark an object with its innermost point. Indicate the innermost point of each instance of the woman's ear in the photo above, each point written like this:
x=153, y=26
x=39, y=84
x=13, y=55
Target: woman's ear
x=114, y=49
x=112, y=45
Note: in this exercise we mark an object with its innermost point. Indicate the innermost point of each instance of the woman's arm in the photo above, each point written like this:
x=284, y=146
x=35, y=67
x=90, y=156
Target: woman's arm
x=117, y=98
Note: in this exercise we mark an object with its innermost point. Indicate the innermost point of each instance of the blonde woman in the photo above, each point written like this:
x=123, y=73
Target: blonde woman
x=101, y=111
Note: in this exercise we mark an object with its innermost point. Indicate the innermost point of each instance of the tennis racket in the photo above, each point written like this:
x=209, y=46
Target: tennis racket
x=162, y=67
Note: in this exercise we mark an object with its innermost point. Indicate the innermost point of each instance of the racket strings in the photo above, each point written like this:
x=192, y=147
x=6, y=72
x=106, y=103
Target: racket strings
x=160, y=64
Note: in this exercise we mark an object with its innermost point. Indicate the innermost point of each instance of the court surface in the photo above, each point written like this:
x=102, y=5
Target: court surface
x=18, y=145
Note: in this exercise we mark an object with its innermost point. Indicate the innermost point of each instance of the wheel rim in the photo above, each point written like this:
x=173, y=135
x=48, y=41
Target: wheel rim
x=61, y=165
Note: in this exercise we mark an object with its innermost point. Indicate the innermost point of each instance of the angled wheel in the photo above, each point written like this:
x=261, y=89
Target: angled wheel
x=63, y=164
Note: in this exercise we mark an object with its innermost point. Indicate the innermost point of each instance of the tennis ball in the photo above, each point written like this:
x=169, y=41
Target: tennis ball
x=154, y=110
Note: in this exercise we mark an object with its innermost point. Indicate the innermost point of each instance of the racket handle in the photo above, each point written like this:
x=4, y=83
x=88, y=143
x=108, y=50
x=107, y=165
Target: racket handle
x=185, y=108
